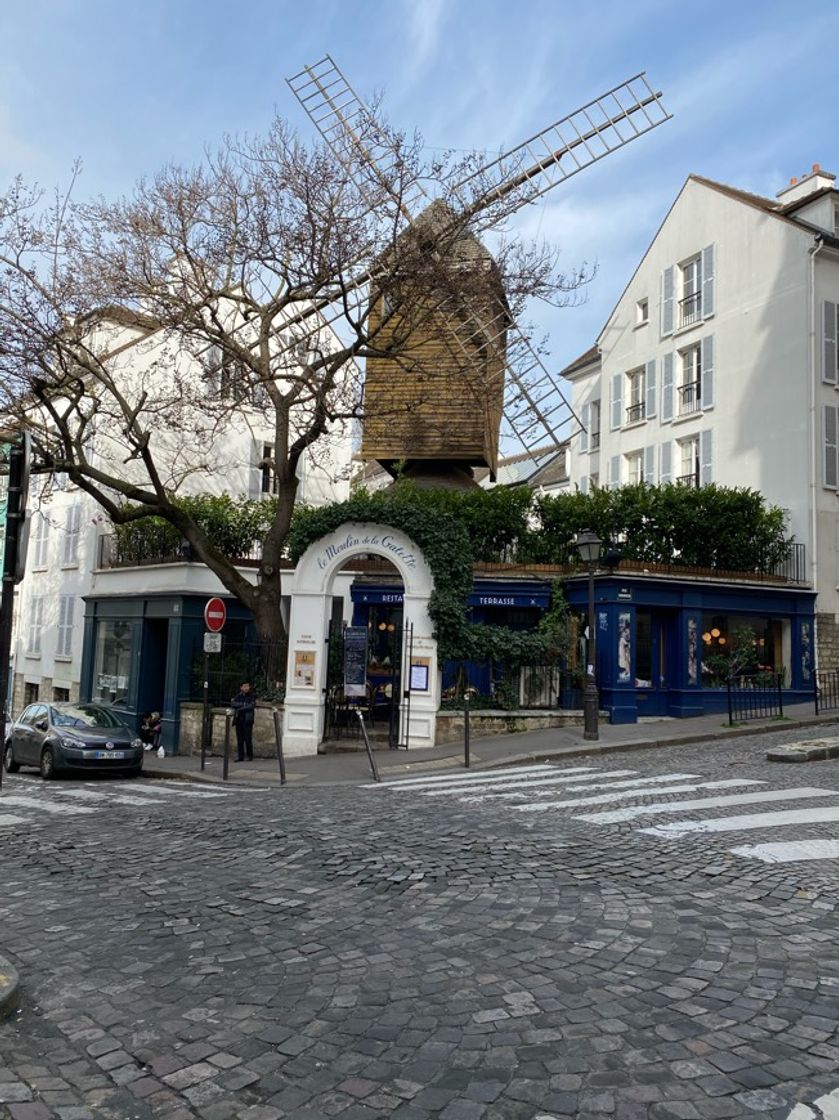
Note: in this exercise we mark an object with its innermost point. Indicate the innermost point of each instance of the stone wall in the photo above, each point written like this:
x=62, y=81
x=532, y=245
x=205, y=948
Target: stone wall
x=827, y=641
x=45, y=692
x=264, y=744
x=486, y=723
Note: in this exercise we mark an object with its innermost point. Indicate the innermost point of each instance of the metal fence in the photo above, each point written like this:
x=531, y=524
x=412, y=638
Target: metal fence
x=826, y=689
x=263, y=664
x=755, y=696
x=496, y=685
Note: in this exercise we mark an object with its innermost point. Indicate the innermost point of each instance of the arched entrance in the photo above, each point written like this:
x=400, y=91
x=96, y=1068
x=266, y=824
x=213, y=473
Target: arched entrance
x=311, y=597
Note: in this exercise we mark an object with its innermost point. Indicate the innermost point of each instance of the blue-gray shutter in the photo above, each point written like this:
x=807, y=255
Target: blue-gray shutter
x=666, y=471
x=829, y=361
x=255, y=470
x=707, y=281
x=829, y=448
x=667, y=301
x=707, y=375
x=667, y=389
x=615, y=470
x=585, y=421
x=617, y=402
x=583, y=483
x=650, y=386
x=706, y=455
x=649, y=465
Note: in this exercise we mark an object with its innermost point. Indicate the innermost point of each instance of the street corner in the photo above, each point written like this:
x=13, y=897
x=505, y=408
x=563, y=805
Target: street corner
x=8, y=987
x=808, y=750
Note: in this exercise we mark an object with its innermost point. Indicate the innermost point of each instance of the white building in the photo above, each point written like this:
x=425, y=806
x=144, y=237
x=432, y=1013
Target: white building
x=719, y=364
x=69, y=562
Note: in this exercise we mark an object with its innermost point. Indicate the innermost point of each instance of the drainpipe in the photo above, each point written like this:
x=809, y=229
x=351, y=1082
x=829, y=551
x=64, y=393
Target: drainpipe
x=813, y=251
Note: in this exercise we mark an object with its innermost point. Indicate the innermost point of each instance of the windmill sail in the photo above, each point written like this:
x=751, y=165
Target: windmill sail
x=535, y=410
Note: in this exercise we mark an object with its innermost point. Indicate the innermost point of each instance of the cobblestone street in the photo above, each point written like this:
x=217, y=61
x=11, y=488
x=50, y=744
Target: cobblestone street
x=615, y=938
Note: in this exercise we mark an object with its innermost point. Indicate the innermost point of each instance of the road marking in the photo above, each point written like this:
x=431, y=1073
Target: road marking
x=10, y=819
x=790, y=851
x=106, y=797
x=631, y=783
x=750, y=820
x=630, y=813
x=609, y=798
x=527, y=783
x=635, y=790
x=514, y=772
x=45, y=806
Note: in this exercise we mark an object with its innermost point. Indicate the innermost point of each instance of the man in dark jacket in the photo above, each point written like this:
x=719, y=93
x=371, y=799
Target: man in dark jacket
x=243, y=705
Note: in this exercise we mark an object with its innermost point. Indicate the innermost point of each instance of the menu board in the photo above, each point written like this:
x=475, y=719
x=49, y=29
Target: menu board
x=355, y=661
x=304, y=669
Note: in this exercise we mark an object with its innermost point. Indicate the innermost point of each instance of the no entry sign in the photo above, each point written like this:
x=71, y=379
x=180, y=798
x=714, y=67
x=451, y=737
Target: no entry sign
x=215, y=614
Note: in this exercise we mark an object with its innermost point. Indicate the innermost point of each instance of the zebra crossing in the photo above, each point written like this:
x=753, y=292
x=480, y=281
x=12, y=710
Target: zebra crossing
x=27, y=800
x=599, y=797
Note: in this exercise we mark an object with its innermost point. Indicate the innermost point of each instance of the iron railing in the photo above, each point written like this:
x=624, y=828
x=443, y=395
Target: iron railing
x=826, y=689
x=113, y=553
x=262, y=664
x=690, y=309
x=690, y=397
x=493, y=684
x=691, y=479
x=635, y=412
x=755, y=696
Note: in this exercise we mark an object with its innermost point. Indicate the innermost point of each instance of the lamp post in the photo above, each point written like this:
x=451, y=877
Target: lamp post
x=588, y=545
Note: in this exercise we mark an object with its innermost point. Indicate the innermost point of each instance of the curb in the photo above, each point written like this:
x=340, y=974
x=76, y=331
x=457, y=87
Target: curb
x=8, y=987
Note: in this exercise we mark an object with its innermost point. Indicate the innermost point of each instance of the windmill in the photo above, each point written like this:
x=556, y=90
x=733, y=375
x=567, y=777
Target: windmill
x=440, y=414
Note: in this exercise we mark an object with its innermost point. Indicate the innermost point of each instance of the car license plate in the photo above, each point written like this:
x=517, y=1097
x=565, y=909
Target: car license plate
x=109, y=754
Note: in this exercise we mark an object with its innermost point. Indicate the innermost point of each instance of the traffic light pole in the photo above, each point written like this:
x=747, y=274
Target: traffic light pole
x=15, y=513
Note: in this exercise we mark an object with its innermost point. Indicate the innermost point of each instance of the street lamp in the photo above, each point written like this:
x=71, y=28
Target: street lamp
x=588, y=545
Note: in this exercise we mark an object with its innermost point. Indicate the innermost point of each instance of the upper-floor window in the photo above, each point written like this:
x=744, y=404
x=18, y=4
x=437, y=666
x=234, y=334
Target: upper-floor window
x=635, y=467
x=642, y=312
x=635, y=409
x=690, y=302
x=594, y=425
x=689, y=461
x=72, y=533
x=64, y=643
x=40, y=540
x=36, y=625
x=689, y=394
x=268, y=484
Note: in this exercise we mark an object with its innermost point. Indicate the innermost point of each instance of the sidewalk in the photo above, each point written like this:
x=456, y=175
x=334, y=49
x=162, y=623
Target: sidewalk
x=499, y=750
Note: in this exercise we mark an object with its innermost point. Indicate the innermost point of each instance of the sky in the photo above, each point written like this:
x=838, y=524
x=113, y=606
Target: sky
x=128, y=87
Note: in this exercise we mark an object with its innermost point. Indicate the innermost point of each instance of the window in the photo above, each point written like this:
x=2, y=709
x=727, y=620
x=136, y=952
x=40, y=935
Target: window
x=594, y=481
x=594, y=425
x=60, y=695
x=30, y=695
x=268, y=481
x=72, y=532
x=830, y=351
x=66, y=605
x=689, y=461
x=36, y=625
x=748, y=643
x=40, y=540
x=635, y=467
x=690, y=304
x=642, y=312
x=112, y=660
x=635, y=410
x=830, y=451
x=689, y=393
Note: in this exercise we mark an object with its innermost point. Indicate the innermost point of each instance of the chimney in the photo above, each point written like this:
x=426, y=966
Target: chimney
x=799, y=190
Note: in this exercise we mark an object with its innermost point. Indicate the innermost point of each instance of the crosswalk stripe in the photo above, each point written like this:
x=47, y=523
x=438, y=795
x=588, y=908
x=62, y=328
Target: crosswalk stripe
x=790, y=851
x=482, y=775
x=10, y=819
x=606, y=798
x=107, y=797
x=750, y=820
x=68, y=810
x=641, y=785
x=634, y=811
x=491, y=783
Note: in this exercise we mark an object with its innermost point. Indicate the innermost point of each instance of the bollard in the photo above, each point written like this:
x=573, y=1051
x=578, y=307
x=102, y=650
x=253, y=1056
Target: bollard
x=206, y=718
x=278, y=738
x=467, y=731
x=225, y=766
x=373, y=766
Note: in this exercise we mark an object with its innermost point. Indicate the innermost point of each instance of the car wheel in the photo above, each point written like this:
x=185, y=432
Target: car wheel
x=9, y=764
x=47, y=764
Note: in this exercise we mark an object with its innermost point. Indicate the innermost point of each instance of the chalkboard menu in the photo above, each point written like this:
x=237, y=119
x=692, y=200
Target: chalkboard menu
x=355, y=661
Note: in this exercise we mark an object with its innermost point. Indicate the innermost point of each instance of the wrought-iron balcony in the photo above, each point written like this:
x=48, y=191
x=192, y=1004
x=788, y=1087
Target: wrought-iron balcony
x=690, y=397
x=594, y=440
x=635, y=412
x=690, y=309
x=691, y=479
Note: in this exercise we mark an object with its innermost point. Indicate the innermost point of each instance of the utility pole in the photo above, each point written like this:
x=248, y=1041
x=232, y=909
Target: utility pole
x=14, y=562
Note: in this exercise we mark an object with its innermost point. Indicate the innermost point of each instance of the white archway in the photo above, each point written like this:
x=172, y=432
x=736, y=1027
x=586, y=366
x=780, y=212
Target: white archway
x=311, y=599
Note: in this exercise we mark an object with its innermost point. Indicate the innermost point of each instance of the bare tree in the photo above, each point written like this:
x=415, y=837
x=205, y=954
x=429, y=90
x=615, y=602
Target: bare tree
x=234, y=294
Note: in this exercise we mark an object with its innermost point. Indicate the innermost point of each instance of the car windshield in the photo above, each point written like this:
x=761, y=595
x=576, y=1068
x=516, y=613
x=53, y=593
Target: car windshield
x=84, y=715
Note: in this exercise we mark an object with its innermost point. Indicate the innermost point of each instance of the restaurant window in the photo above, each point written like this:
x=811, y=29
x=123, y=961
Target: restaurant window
x=741, y=645
x=112, y=664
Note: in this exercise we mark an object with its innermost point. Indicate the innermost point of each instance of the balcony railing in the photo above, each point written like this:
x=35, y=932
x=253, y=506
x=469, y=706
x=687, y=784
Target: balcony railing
x=595, y=440
x=690, y=309
x=690, y=397
x=691, y=479
x=111, y=553
x=635, y=412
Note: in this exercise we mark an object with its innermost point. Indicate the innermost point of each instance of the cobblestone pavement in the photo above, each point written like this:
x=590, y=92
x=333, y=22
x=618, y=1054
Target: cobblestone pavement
x=545, y=943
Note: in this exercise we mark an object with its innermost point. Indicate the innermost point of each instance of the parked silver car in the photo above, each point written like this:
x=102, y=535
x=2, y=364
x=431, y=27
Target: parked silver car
x=55, y=737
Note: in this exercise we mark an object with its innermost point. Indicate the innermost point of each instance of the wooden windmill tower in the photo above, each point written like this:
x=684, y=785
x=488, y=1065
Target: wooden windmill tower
x=463, y=367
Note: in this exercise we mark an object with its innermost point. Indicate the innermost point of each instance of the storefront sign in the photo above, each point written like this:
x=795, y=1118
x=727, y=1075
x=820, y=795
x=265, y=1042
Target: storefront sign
x=355, y=661
x=392, y=545
x=624, y=592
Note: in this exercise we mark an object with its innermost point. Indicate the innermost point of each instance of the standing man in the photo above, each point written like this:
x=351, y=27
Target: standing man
x=244, y=705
